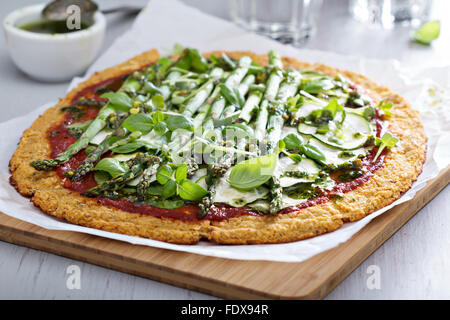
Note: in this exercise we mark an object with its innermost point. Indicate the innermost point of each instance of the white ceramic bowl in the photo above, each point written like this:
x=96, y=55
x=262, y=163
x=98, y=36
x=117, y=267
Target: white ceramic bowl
x=51, y=57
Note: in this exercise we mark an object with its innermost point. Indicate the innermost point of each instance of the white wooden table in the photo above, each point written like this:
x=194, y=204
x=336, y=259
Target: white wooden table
x=413, y=264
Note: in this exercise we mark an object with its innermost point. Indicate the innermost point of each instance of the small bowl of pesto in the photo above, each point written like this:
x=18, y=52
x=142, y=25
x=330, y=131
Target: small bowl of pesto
x=50, y=50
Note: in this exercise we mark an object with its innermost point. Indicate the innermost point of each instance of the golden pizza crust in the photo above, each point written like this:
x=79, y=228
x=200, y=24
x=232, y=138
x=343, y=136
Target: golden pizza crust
x=403, y=164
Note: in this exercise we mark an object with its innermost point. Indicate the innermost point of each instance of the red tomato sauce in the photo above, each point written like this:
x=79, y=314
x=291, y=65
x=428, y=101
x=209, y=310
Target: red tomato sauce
x=60, y=139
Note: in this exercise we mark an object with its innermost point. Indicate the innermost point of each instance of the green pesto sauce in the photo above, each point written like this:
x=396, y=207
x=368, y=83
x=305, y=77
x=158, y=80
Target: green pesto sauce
x=50, y=27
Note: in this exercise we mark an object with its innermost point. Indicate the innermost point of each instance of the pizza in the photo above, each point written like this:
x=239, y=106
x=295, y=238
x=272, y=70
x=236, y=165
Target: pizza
x=230, y=147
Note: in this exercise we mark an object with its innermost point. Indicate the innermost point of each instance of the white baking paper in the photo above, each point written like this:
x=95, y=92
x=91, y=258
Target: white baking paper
x=166, y=22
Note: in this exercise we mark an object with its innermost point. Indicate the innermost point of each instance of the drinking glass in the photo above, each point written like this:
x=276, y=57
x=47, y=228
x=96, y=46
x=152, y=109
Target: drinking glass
x=387, y=13
x=288, y=21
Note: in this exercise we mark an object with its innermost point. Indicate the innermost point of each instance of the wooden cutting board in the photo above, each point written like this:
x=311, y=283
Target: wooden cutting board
x=238, y=279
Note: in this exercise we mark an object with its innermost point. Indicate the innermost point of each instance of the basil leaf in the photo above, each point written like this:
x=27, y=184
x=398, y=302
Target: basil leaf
x=155, y=190
x=179, y=122
x=158, y=116
x=101, y=176
x=198, y=63
x=138, y=122
x=112, y=166
x=185, y=61
x=293, y=142
x=181, y=173
x=313, y=153
x=189, y=190
x=120, y=100
x=161, y=67
x=160, y=128
x=428, y=32
x=129, y=147
x=252, y=173
x=169, y=189
x=166, y=203
x=149, y=87
x=164, y=174
x=158, y=102
x=317, y=85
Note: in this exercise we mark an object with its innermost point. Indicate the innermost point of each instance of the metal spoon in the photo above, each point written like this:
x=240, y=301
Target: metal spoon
x=57, y=10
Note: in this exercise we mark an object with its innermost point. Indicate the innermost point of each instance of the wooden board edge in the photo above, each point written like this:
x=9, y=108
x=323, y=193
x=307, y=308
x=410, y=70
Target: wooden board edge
x=117, y=263
x=434, y=186
x=217, y=288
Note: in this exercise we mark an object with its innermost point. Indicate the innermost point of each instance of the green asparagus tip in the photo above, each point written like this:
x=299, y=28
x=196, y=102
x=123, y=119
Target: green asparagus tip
x=45, y=165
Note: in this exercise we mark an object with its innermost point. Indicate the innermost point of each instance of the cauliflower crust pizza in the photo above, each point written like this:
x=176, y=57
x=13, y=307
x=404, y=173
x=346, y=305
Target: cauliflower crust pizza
x=231, y=147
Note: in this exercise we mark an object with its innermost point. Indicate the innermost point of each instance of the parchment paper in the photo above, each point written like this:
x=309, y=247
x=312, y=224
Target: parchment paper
x=166, y=22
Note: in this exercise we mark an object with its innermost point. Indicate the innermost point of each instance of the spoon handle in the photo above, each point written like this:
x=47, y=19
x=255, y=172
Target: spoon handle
x=127, y=9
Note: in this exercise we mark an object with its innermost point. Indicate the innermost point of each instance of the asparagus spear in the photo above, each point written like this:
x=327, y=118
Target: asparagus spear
x=275, y=126
x=147, y=179
x=96, y=125
x=94, y=156
x=130, y=84
x=251, y=104
x=202, y=94
x=261, y=121
x=206, y=203
x=273, y=84
x=135, y=165
x=239, y=73
x=207, y=106
x=246, y=83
